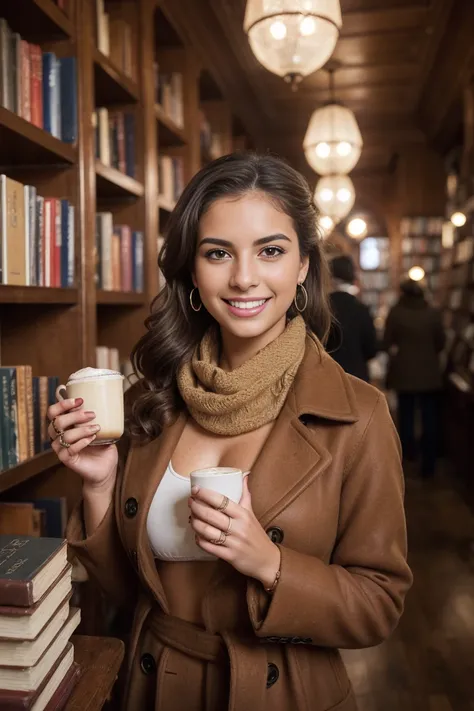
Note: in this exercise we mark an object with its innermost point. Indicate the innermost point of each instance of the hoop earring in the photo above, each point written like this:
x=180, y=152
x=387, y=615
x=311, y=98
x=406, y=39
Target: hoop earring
x=191, y=301
x=305, y=294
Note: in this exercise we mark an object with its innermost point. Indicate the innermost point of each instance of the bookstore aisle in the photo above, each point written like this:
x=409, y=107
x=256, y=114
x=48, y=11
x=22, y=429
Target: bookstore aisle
x=427, y=664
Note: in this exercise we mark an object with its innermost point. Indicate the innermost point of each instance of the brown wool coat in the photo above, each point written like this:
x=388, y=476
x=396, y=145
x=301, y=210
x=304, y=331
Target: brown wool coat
x=328, y=487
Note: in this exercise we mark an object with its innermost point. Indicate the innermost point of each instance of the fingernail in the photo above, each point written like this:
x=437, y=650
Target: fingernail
x=89, y=413
x=195, y=490
x=95, y=428
x=78, y=401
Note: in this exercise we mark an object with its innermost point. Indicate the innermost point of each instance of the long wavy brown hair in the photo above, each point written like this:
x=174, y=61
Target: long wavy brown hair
x=173, y=328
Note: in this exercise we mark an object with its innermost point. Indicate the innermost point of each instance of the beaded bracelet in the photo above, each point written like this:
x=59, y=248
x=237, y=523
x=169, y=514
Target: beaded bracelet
x=275, y=583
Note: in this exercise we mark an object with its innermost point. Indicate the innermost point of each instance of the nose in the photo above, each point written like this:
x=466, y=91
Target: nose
x=244, y=274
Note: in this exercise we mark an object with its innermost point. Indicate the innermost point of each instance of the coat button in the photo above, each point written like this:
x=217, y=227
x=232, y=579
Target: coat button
x=131, y=508
x=147, y=664
x=272, y=675
x=275, y=534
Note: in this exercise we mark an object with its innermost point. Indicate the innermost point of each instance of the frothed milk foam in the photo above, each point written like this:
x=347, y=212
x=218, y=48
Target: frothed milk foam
x=102, y=392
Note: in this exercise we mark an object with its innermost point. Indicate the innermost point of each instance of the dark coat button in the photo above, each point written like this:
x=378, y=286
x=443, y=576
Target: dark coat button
x=147, y=664
x=131, y=508
x=275, y=534
x=272, y=675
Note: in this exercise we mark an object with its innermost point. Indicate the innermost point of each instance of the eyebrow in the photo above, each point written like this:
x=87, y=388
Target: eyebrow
x=216, y=241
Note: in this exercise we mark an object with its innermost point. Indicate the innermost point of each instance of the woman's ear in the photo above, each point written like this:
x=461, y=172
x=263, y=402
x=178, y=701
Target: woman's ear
x=303, y=273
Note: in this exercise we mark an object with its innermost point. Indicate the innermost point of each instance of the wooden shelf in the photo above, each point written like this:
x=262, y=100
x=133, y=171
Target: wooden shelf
x=119, y=298
x=27, y=470
x=21, y=142
x=111, y=86
x=169, y=133
x=37, y=295
x=165, y=205
x=112, y=183
x=37, y=20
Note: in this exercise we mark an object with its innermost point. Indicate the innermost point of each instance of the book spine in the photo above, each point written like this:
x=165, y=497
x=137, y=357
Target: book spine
x=129, y=127
x=47, y=242
x=139, y=260
x=68, y=85
x=32, y=226
x=15, y=50
x=43, y=388
x=49, y=95
x=26, y=190
x=98, y=252
x=36, y=91
x=5, y=65
x=71, y=246
x=26, y=81
x=14, y=235
x=30, y=410
x=58, y=238
x=36, y=414
x=22, y=422
x=5, y=421
x=39, y=240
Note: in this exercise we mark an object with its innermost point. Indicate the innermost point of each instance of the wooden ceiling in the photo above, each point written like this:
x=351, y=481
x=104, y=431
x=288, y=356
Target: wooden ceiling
x=402, y=68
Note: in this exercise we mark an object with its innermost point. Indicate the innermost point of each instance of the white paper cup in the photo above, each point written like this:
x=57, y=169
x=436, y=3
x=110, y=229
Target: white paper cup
x=225, y=480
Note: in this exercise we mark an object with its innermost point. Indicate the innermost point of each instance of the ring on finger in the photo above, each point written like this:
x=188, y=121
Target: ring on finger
x=63, y=442
x=219, y=541
x=229, y=527
x=53, y=425
x=224, y=504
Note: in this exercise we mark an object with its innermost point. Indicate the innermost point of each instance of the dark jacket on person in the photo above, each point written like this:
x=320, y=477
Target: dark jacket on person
x=352, y=340
x=414, y=337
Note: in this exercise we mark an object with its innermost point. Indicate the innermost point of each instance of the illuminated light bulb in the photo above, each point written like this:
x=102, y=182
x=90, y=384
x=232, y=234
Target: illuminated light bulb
x=326, y=195
x=307, y=27
x=326, y=222
x=278, y=30
x=458, y=219
x=343, y=194
x=416, y=273
x=357, y=227
x=323, y=150
x=343, y=149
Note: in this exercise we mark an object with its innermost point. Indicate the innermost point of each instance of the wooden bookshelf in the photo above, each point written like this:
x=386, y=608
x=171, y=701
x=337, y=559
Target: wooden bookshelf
x=27, y=470
x=112, y=86
x=169, y=133
x=37, y=295
x=39, y=20
x=111, y=183
x=20, y=139
x=119, y=298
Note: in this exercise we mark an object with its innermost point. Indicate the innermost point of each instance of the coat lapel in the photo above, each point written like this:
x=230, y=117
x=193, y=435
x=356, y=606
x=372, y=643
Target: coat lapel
x=148, y=464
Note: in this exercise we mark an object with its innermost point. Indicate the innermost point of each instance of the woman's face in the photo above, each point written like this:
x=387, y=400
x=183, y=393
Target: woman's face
x=248, y=265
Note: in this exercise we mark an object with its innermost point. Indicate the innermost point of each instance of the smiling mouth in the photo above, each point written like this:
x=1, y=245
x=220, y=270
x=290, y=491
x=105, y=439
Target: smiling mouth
x=246, y=305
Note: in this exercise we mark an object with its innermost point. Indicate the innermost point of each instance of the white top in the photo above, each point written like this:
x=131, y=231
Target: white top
x=169, y=531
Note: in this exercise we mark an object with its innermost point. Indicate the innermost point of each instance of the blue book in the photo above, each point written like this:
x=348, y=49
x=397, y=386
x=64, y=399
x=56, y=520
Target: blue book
x=129, y=124
x=64, y=243
x=68, y=84
x=49, y=93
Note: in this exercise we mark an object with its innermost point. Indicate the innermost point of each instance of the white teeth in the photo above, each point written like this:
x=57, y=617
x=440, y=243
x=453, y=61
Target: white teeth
x=247, y=304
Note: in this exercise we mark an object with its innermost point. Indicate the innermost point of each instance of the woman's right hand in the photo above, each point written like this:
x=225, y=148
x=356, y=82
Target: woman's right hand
x=96, y=465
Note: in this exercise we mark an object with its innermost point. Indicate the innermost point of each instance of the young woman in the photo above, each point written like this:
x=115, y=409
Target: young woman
x=243, y=606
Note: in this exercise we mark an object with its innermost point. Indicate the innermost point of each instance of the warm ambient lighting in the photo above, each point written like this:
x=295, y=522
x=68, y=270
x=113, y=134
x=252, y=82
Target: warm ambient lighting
x=458, y=219
x=416, y=273
x=333, y=142
x=357, y=228
x=335, y=196
x=292, y=38
x=325, y=226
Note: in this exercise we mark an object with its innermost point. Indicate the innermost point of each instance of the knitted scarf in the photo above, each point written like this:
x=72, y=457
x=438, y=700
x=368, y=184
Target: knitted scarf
x=241, y=400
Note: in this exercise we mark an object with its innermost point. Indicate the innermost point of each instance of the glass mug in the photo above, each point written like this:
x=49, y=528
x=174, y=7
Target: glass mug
x=102, y=392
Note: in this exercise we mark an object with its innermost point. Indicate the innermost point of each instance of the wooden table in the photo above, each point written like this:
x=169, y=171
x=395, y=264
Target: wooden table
x=100, y=659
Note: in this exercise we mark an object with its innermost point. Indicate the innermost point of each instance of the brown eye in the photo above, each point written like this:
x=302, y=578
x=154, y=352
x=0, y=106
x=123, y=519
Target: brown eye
x=272, y=252
x=217, y=255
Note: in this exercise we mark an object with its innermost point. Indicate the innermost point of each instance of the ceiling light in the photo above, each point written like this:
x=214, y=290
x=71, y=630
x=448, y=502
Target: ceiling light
x=458, y=219
x=357, y=228
x=335, y=127
x=335, y=196
x=416, y=273
x=309, y=29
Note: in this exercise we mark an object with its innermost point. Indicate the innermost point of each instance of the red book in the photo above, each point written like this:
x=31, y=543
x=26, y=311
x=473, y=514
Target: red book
x=36, y=85
x=25, y=103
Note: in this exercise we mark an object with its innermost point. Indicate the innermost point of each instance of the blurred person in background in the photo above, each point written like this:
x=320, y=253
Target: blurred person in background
x=414, y=338
x=352, y=340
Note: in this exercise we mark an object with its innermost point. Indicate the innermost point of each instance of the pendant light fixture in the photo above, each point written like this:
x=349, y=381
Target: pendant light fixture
x=292, y=38
x=333, y=142
x=335, y=196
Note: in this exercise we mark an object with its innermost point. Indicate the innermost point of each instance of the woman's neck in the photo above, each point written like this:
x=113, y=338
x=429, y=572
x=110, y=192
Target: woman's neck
x=236, y=351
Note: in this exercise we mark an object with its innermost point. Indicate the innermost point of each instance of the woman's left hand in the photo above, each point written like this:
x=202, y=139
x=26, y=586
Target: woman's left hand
x=246, y=546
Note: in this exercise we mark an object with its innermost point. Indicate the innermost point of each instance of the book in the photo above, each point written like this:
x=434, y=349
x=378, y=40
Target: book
x=12, y=231
x=26, y=623
x=68, y=74
x=26, y=653
x=54, y=691
x=30, y=678
x=28, y=567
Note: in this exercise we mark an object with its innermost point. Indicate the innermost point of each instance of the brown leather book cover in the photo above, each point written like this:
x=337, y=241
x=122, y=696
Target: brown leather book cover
x=25, y=700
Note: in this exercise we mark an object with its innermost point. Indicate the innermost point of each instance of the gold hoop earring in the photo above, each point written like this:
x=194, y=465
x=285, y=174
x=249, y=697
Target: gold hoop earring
x=295, y=301
x=191, y=301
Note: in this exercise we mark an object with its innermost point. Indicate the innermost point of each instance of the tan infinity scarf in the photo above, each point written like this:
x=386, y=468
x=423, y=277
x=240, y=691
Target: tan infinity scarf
x=241, y=400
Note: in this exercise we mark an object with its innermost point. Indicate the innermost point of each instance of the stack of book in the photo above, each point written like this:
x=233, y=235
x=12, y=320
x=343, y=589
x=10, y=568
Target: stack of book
x=36, y=237
x=24, y=400
x=115, y=139
x=114, y=38
x=119, y=256
x=170, y=179
x=38, y=86
x=37, y=668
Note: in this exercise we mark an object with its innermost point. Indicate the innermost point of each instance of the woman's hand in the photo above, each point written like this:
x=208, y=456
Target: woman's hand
x=96, y=465
x=247, y=546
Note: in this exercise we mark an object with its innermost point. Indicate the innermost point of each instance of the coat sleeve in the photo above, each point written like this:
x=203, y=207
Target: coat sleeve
x=357, y=599
x=102, y=553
